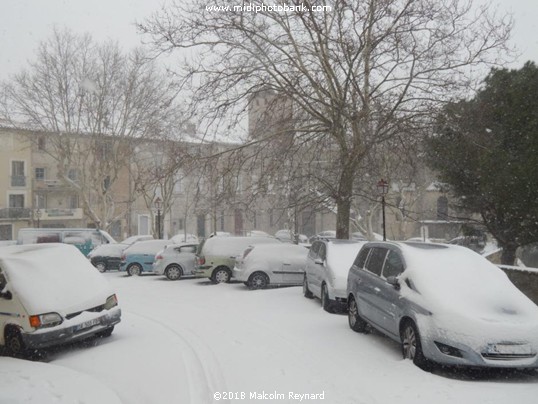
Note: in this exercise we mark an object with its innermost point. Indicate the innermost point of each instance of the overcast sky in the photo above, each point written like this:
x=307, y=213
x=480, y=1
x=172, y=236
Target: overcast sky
x=24, y=23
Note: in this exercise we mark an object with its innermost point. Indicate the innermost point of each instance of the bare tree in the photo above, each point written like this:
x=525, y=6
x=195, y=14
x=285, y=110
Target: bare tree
x=354, y=72
x=97, y=103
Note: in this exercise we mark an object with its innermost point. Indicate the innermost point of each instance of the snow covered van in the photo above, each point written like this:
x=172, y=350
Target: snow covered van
x=50, y=294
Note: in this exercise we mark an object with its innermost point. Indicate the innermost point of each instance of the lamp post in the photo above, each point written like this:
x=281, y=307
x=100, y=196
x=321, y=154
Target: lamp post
x=38, y=216
x=383, y=188
x=158, y=205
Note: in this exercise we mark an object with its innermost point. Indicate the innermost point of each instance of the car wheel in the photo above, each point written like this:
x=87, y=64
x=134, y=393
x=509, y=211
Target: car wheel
x=173, y=272
x=411, y=346
x=258, y=280
x=106, y=333
x=325, y=301
x=306, y=292
x=221, y=275
x=14, y=344
x=134, y=269
x=356, y=323
x=101, y=266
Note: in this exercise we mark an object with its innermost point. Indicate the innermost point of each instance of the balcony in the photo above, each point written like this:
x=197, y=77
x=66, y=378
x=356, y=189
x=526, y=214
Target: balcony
x=18, y=180
x=51, y=186
x=15, y=213
x=60, y=214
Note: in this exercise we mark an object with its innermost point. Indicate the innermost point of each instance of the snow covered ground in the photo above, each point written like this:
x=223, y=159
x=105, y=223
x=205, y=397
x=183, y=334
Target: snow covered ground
x=190, y=341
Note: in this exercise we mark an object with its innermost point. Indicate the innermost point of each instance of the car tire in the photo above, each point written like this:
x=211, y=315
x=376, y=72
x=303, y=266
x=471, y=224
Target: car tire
x=306, y=292
x=105, y=333
x=134, y=269
x=173, y=272
x=326, y=303
x=355, y=321
x=221, y=275
x=258, y=280
x=411, y=345
x=101, y=266
x=14, y=345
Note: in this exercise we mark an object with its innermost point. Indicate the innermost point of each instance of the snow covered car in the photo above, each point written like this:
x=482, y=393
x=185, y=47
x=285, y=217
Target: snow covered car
x=175, y=261
x=275, y=264
x=326, y=271
x=324, y=235
x=183, y=237
x=139, y=257
x=49, y=295
x=215, y=257
x=107, y=257
x=444, y=304
x=286, y=236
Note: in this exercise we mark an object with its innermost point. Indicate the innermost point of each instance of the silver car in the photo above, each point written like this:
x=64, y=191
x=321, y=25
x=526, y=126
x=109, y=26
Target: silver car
x=445, y=304
x=271, y=264
x=175, y=261
x=326, y=271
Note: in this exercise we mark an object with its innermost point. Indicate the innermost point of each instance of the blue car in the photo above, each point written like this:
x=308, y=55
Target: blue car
x=139, y=257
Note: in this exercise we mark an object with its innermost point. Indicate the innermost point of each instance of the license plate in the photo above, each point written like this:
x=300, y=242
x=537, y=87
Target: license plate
x=87, y=324
x=509, y=349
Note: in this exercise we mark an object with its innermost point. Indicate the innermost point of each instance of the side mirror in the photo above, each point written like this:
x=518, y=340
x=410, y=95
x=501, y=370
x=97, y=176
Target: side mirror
x=318, y=261
x=6, y=295
x=392, y=280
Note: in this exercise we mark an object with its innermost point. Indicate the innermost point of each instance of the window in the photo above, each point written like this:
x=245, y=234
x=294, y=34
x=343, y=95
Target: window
x=322, y=254
x=16, y=201
x=239, y=184
x=361, y=258
x=72, y=174
x=178, y=185
x=40, y=201
x=72, y=201
x=143, y=225
x=6, y=231
x=18, y=179
x=314, y=250
x=376, y=260
x=442, y=208
x=40, y=174
x=17, y=168
x=41, y=143
x=103, y=150
x=187, y=249
x=393, y=265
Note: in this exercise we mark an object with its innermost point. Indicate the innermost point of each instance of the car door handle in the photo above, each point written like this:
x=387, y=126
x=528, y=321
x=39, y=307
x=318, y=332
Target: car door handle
x=285, y=263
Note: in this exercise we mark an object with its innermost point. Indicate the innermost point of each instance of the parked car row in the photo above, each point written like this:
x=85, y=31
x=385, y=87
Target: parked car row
x=443, y=303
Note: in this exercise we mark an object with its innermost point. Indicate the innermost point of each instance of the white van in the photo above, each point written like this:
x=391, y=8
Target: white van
x=50, y=294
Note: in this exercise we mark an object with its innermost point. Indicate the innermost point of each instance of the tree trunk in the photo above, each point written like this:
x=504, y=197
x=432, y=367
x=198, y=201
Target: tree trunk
x=508, y=256
x=343, y=204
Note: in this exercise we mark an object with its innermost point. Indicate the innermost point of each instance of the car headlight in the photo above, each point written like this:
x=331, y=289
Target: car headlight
x=111, y=301
x=45, y=320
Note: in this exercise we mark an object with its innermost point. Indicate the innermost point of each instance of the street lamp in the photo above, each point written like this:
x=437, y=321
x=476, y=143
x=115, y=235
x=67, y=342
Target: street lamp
x=158, y=205
x=38, y=216
x=383, y=188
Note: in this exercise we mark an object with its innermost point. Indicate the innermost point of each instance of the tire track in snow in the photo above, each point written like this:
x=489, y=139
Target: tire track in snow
x=204, y=373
